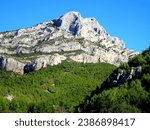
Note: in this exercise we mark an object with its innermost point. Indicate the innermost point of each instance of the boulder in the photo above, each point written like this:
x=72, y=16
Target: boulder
x=13, y=65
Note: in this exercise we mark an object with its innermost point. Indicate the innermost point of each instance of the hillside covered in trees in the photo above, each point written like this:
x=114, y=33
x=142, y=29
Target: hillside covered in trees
x=53, y=89
x=131, y=93
x=79, y=87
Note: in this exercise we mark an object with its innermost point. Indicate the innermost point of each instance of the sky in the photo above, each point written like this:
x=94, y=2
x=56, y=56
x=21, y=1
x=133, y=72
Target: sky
x=127, y=19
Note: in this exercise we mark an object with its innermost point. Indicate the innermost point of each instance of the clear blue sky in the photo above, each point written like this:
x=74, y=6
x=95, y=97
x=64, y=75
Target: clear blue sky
x=127, y=19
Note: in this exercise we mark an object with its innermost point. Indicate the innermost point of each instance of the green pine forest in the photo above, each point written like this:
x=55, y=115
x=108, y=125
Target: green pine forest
x=75, y=87
x=132, y=96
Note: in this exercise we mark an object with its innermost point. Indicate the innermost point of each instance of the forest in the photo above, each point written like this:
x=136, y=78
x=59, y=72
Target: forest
x=53, y=89
x=77, y=87
x=131, y=96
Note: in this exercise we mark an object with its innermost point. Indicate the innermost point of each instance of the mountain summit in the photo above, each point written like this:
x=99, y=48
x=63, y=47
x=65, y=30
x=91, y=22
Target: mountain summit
x=70, y=22
x=88, y=28
x=69, y=37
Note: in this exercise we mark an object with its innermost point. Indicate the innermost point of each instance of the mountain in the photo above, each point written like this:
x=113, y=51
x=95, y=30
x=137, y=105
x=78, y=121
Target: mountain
x=83, y=69
x=69, y=37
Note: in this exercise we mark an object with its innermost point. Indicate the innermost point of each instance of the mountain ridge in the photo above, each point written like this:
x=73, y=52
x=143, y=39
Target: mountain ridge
x=69, y=37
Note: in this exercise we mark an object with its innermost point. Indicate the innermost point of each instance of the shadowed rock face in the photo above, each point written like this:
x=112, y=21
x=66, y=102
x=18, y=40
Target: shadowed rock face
x=57, y=22
x=67, y=37
x=119, y=78
x=1, y=62
x=28, y=68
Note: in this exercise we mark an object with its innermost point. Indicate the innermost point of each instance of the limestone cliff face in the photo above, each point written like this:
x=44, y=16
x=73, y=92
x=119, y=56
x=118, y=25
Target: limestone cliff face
x=68, y=37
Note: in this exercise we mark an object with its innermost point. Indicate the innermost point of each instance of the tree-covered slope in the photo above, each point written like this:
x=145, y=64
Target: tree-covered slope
x=53, y=89
x=126, y=90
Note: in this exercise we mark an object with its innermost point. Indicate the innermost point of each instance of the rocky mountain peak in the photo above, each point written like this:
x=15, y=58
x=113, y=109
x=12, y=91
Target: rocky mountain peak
x=70, y=22
x=70, y=37
x=88, y=28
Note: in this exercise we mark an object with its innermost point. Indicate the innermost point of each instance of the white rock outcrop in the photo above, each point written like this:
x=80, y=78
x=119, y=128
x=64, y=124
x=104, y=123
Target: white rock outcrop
x=68, y=37
x=9, y=97
x=43, y=61
x=10, y=64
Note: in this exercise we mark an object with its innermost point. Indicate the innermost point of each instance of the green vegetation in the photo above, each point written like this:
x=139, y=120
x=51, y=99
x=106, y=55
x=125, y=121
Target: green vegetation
x=78, y=87
x=53, y=89
x=131, y=96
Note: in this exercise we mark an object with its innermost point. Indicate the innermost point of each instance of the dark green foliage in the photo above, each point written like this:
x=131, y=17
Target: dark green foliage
x=137, y=60
x=146, y=81
x=4, y=105
x=124, y=66
x=78, y=87
x=53, y=89
x=130, y=96
x=146, y=55
x=140, y=59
